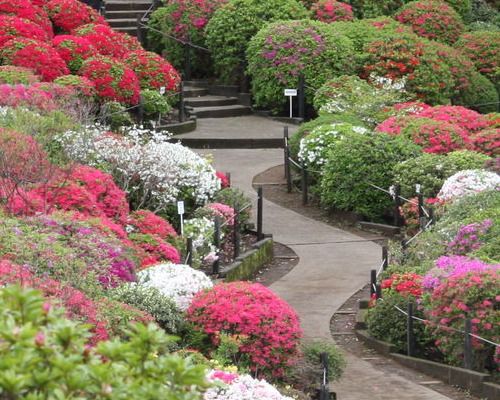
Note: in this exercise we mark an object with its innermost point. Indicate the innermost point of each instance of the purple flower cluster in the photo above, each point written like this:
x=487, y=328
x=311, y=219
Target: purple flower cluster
x=469, y=238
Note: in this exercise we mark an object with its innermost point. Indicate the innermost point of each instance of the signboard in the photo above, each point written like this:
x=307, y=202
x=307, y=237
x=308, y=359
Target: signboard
x=162, y=90
x=180, y=211
x=291, y=93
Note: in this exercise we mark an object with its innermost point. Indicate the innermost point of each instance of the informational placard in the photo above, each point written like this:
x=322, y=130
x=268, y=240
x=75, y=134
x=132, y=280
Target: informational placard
x=180, y=211
x=291, y=93
x=162, y=90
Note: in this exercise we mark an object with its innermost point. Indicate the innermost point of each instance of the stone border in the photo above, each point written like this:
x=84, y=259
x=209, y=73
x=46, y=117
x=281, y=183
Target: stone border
x=476, y=382
x=247, y=264
x=179, y=128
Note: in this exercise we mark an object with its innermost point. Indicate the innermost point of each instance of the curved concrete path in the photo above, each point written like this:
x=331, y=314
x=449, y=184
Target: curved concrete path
x=333, y=263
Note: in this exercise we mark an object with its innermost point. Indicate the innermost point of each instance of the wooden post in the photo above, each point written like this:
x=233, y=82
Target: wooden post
x=189, y=252
x=468, y=344
x=410, y=336
x=421, y=214
x=302, y=97
x=182, y=109
x=304, y=184
x=373, y=281
x=216, y=264
x=236, y=232
x=228, y=175
x=260, y=210
x=397, y=204
x=385, y=257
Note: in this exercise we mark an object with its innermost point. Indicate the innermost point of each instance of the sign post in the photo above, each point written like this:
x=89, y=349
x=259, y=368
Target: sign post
x=291, y=93
x=180, y=211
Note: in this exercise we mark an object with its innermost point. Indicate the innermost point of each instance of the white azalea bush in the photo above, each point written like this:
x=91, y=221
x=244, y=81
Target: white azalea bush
x=153, y=172
x=178, y=282
x=468, y=182
x=313, y=150
x=232, y=386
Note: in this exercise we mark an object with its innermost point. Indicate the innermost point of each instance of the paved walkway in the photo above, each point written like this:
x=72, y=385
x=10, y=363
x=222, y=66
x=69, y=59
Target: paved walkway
x=333, y=263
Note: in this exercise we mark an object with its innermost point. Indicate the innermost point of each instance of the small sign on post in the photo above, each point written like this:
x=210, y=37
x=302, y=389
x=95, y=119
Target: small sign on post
x=291, y=93
x=162, y=90
x=180, y=211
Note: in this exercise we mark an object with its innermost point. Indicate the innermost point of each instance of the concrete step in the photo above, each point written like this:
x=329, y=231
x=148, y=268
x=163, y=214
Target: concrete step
x=131, y=30
x=120, y=14
x=190, y=91
x=198, y=83
x=122, y=22
x=210, y=101
x=135, y=5
x=221, y=111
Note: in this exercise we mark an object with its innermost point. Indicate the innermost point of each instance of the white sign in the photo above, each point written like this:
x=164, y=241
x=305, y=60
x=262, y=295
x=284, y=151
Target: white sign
x=180, y=207
x=162, y=90
x=290, y=92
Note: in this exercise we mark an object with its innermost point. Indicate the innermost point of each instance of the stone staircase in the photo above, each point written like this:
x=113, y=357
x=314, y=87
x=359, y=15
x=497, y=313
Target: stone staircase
x=122, y=14
x=213, y=102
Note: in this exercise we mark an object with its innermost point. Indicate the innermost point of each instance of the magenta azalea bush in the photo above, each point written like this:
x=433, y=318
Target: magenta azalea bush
x=268, y=328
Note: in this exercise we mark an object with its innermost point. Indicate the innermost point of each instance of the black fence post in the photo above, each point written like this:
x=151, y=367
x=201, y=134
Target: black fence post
x=236, y=232
x=304, y=184
x=468, y=344
x=288, y=172
x=302, y=97
x=216, y=264
x=285, y=151
x=385, y=257
x=187, y=61
x=140, y=30
x=182, y=109
x=140, y=110
x=324, y=392
x=421, y=214
x=410, y=335
x=378, y=291
x=397, y=204
x=260, y=210
x=373, y=282
x=431, y=215
x=189, y=252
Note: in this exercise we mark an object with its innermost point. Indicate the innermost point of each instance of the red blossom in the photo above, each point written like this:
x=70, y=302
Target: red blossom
x=153, y=71
x=332, y=11
x=67, y=15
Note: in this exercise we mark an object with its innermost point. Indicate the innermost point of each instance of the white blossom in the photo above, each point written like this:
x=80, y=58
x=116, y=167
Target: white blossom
x=468, y=182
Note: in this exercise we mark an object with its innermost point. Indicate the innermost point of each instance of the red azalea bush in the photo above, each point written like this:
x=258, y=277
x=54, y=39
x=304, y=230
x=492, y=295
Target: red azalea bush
x=73, y=50
x=487, y=141
x=483, y=48
x=432, y=19
x=13, y=75
x=79, y=84
x=268, y=327
x=36, y=55
x=67, y=15
x=13, y=27
x=332, y=11
x=408, y=284
x=152, y=249
x=113, y=80
x=77, y=305
x=25, y=9
x=153, y=71
x=435, y=136
x=27, y=96
x=467, y=119
x=224, y=180
x=147, y=222
x=107, y=41
x=466, y=295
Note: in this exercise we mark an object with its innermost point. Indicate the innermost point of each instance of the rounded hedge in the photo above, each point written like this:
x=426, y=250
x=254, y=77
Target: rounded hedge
x=480, y=94
x=13, y=27
x=282, y=50
x=27, y=10
x=432, y=19
x=73, y=50
x=357, y=161
x=375, y=8
x=14, y=75
x=67, y=15
x=82, y=86
x=233, y=25
x=332, y=11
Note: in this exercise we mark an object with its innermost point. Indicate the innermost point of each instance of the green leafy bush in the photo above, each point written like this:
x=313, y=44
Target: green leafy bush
x=336, y=362
x=154, y=103
x=115, y=115
x=483, y=15
x=480, y=95
x=13, y=75
x=431, y=170
x=357, y=161
x=375, y=8
x=233, y=25
x=46, y=356
x=150, y=300
x=282, y=50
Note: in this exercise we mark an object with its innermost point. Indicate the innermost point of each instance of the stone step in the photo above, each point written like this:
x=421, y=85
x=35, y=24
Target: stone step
x=131, y=30
x=135, y=5
x=120, y=14
x=122, y=22
x=221, y=111
x=190, y=91
x=210, y=101
x=198, y=83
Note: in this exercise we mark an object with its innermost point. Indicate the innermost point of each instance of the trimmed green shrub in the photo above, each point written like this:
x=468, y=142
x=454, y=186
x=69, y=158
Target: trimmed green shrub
x=13, y=75
x=115, y=115
x=375, y=8
x=357, y=161
x=233, y=25
x=154, y=103
x=336, y=362
x=49, y=357
x=431, y=170
x=282, y=50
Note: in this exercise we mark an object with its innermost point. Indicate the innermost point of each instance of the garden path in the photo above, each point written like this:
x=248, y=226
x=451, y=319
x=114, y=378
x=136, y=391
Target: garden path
x=333, y=264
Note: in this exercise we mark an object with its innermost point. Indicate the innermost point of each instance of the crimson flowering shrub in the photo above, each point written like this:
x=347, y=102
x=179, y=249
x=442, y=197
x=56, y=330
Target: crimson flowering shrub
x=224, y=180
x=487, y=141
x=267, y=326
x=67, y=15
x=432, y=19
x=153, y=249
x=470, y=293
x=467, y=119
x=13, y=27
x=107, y=41
x=332, y=11
x=113, y=80
x=408, y=284
x=25, y=9
x=73, y=50
x=79, y=84
x=148, y=223
x=77, y=305
x=483, y=48
x=153, y=71
x=14, y=75
x=36, y=55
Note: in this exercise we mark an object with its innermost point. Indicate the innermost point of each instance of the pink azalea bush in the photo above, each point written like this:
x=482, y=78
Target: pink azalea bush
x=332, y=11
x=268, y=327
x=469, y=237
